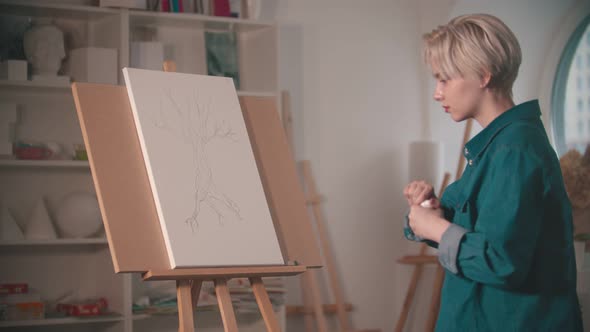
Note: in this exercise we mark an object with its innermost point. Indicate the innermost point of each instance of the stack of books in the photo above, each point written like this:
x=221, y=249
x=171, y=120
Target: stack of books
x=18, y=302
x=226, y=8
x=243, y=298
x=165, y=303
x=241, y=292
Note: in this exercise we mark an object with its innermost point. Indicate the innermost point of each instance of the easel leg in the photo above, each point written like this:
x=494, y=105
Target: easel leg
x=225, y=306
x=186, y=321
x=435, y=300
x=399, y=327
x=334, y=284
x=270, y=320
x=307, y=302
x=318, y=308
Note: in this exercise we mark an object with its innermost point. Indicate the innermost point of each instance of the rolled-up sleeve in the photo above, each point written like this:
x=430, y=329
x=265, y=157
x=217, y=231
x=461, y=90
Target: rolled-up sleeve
x=448, y=248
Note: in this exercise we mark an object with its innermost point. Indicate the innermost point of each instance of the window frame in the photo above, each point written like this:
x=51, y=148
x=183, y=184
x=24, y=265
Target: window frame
x=560, y=83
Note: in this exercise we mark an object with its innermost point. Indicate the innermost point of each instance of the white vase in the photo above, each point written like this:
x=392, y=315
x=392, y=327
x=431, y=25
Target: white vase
x=44, y=48
x=40, y=226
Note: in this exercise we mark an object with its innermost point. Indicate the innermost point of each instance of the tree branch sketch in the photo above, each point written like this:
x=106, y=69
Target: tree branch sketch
x=193, y=124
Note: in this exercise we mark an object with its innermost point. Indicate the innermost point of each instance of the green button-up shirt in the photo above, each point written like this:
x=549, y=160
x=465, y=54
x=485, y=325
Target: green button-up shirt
x=509, y=254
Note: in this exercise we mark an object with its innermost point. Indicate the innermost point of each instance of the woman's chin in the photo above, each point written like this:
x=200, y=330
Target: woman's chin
x=458, y=117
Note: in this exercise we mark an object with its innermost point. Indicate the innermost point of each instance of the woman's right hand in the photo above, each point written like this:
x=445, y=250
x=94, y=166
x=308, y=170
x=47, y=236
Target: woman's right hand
x=419, y=191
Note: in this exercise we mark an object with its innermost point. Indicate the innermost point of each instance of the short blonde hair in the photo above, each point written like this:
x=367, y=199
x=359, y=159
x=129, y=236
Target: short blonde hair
x=475, y=44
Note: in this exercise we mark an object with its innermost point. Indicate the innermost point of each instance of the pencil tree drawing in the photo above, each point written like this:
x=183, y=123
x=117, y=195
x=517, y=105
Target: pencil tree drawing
x=193, y=123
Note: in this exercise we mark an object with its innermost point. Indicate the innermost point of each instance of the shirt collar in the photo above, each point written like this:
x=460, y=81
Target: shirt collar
x=526, y=111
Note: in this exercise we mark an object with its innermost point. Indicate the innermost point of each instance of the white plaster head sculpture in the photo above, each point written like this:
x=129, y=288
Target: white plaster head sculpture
x=44, y=47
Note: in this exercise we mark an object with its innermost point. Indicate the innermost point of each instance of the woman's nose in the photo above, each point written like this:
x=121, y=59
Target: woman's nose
x=437, y=95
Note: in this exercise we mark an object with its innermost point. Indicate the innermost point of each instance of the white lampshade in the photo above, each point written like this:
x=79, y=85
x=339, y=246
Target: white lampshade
x=426, y=162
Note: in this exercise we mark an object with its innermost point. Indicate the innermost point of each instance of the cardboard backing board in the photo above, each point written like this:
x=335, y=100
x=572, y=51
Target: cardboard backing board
x=279, y=177
x=120, y=178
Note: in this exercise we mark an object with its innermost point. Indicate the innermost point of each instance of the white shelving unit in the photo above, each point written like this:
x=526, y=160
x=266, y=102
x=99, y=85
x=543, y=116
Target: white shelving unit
x=83, y=267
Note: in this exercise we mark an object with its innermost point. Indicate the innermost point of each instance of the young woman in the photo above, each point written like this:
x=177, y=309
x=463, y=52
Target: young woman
x=504, y=229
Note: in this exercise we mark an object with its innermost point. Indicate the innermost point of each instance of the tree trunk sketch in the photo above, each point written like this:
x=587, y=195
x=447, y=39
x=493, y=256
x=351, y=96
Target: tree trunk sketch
x=193, y=125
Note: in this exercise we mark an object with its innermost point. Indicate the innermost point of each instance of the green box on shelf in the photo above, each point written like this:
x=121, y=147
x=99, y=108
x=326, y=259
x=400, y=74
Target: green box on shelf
x=222, y=55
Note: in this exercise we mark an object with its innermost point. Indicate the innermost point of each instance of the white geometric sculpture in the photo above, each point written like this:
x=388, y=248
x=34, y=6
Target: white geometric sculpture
x=13, y=70
x=93, y=65
x=39, y=225
x=9, y=229
x=44, y=48
x=78, y=215
x=8, y=117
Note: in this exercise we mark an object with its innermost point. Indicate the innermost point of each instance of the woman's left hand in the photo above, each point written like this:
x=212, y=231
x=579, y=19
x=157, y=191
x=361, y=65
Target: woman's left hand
x=428, y=223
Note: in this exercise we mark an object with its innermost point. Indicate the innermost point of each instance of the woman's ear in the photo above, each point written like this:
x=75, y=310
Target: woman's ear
x=485, y=79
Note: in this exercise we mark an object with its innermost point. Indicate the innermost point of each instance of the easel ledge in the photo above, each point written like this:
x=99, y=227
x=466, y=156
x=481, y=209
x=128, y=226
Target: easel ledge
x=228, y=272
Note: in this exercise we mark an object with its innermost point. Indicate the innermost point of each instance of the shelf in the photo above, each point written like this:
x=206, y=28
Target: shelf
x=195, y=21
x=39, y=9
x=256, y=94
x=35, y=86
x=44, y=163
x=293, y=310
x=54, y=242
x=62, y=321
x=4, y=84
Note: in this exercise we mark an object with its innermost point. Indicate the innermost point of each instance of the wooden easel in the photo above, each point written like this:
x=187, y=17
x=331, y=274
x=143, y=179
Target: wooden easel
x=421, y=259
x=311, y=295
x=314, y=199
x=313, y=307
x=118, y=170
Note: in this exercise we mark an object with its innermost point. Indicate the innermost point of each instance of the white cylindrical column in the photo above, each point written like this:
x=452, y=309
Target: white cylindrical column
x=426, y=160
x=426, y=163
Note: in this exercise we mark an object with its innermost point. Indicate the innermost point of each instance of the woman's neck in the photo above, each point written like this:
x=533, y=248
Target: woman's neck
x=491, y=107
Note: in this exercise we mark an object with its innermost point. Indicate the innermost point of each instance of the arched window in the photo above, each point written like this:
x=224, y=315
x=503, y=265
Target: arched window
x=569, y=92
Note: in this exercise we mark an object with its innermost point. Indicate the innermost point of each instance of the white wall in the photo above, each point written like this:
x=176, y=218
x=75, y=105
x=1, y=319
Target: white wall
x=351, y=68
x=360, y=94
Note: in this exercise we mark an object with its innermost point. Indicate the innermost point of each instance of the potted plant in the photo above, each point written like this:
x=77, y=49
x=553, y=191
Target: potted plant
x=575, y=168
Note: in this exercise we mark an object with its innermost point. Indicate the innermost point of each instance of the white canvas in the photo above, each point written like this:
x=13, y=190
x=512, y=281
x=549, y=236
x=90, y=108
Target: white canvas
x=201, y=167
